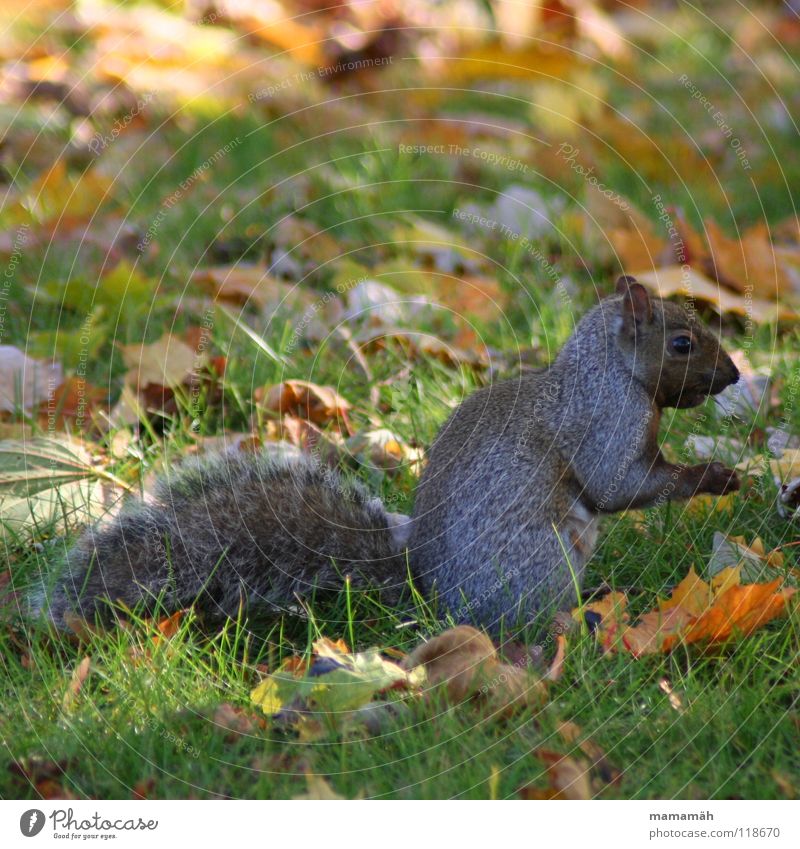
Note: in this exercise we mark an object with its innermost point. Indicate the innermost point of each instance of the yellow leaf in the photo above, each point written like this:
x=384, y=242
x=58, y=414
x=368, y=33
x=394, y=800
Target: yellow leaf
x=610, y=608
x=693, y=594
x=59, y=200
x=787, y=466
x=683, y=280
x=729, y=577
x=266, y=696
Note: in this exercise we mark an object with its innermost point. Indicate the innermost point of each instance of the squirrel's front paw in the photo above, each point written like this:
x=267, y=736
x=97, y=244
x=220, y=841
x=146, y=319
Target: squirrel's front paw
x=716, y=479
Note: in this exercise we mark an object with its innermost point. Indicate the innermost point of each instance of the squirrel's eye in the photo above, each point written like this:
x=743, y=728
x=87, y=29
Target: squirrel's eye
x=682, y=344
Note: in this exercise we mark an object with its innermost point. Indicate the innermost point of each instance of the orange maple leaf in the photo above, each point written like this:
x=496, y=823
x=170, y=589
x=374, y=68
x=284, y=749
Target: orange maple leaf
x=696, y=611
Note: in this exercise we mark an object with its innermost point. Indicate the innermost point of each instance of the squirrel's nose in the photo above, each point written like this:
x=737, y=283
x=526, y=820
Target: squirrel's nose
x=734, y=374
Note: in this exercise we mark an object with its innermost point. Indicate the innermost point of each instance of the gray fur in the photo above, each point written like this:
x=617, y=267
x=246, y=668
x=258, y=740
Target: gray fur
x=229, y=531
x=506, y=512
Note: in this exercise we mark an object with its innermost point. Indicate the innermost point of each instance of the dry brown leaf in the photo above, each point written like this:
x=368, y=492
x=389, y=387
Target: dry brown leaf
x=247, y=285
x=79, y=675
x=318, y=404
x=752, y=263
x=234, y=721
x=165, y=363
x=304, y=239
x=478, y=297
x=572, y=733
x=568, y=777
x=455, y=658
x=556, y=669
x=638, y=250
x=75, y=402
x=462, y=662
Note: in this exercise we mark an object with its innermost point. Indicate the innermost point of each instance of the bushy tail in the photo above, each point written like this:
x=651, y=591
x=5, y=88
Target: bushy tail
x=232, y=531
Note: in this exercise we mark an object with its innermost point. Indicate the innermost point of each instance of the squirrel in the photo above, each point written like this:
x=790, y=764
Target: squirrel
x=506, y=512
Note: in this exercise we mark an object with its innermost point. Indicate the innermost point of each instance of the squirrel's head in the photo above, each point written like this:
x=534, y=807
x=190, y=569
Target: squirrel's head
x=673, y=355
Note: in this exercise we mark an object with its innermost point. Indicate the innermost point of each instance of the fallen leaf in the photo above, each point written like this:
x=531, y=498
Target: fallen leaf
x=682, y=280
x=168, y=628
x=336, y=682
x=45, y=481
x=58, y=201
x=605, y=771
x=738, y=611
x=751, y=559
x=698, y=611
x=610, y=609
x=692, y=594
x=144, y=788
x=75, y=402
x=318, y=788
x=167, y=362
x=751, y=263
x=383, y=450
x=46, y=777
x=568, y=777
x=233, y=720
x=462, y=663
x=650, y=633
x=787, y=466
x=325, y=647
x=247, y=285
x=639, y=250
x=556, y=669
x=25, y=383
x=319, y=404
x=79, y=675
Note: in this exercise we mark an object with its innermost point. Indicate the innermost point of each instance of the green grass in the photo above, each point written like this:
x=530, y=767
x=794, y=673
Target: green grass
x=146, y=722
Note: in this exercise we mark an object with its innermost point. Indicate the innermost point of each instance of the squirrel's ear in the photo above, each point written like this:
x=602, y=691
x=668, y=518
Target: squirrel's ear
x=623, y=283
x=636, y=306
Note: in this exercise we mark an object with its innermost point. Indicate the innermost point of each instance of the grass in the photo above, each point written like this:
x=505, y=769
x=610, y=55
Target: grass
x=143, y=721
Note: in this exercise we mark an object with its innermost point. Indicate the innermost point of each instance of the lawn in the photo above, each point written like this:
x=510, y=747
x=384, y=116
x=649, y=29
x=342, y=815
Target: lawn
x=227, y=190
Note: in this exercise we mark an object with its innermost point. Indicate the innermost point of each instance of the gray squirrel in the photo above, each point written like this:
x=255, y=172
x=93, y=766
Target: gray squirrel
x=506, y=512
